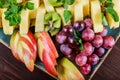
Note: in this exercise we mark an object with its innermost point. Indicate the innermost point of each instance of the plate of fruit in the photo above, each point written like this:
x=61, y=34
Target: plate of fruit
x=67, y=39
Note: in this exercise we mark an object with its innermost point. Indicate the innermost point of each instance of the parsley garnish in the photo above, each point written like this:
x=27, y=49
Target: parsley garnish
x=14, y=9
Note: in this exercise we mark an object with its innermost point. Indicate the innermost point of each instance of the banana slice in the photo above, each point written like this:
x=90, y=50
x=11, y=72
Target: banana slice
x=6, y=28
x=39, y=24
x=96, y=16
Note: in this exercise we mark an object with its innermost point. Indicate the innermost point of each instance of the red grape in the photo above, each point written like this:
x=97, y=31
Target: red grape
x=88, y=34
x=71, y=56
x=93, y=59
x=68, y=29
x=85, y=69
x=80, y=59
x=61, y=37
x=100, y=51
x=88, y=23
x=88, y=49
x=98, y=41
x=104, y=32
x=71, y=42
x=108, y=42
x=65, y=49
x=79, y=25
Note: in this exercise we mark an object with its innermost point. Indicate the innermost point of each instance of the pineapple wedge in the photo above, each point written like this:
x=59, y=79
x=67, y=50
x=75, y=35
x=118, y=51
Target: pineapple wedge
x=96, y=16
x=78, y=11
x=111, y=22
x=25, y=22
x=117, y=9
x=8, y=30
x=48, y=6
x=39, y=24
x=34, y=11
x=86, y=7
x=60, y=11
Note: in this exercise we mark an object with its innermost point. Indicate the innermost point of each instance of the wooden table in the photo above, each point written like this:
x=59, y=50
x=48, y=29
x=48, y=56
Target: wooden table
x=11, y=69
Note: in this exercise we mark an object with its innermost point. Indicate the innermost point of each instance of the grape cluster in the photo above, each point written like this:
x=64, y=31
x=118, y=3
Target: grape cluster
x=94, y=44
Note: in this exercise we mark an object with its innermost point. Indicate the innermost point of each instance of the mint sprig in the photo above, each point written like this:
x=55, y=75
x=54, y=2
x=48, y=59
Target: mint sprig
x=107, y=6
x=14, y=9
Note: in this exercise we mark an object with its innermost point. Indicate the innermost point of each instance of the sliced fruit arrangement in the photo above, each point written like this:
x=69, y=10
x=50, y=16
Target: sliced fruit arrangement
x=67, y=70
x=79, y=43
x=47, y=52
x=24, y=48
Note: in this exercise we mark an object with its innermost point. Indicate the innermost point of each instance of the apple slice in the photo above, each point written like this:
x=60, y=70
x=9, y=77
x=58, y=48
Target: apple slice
x=28, y=61
x=48, y=63
x=13, y=44
x=29, y=47
x=47, y=50
x=50, y=43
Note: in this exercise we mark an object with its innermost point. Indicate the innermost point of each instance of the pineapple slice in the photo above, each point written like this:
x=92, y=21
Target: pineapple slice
x=34, y=11
x=78, y=11
x=39, y=24
x=96, y=16
x=25, y=22
x=60, y=11
x=48, y=6
x=86, y=7
x=5, y=23
x=117, y=9
x=111, y=22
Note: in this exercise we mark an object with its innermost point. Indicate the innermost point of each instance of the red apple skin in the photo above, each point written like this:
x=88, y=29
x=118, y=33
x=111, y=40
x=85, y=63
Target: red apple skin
x=48, y=63
x=50, y=43
x=32, y=51
x=47, y=50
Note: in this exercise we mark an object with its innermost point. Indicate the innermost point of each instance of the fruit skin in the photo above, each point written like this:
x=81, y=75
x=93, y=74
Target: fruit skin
x=98, y=41
x=81, y=59
x=47, y=52
x=67, y=70
x=25, y=48
x=85, y=69
x=88, y=49
x=93, y=59
x=100, y=51
x=108, y=42
x=88, y=34
x=104, y=32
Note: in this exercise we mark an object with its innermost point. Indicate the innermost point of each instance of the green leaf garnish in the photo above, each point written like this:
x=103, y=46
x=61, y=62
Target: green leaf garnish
x=14, y=9
x=30, y=5
x=113, y=13
x=78, y=38
x=67, y=15
x=68, y=2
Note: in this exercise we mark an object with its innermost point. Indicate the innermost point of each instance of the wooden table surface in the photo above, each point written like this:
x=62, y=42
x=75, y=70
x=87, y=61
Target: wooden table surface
x=11, y=69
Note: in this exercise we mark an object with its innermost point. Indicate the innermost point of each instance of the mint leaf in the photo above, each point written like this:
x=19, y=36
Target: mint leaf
x=67, y=15
x=55, y=3
x=109, y=4
x=68, y=2
x=30, y=5
x=113, y=13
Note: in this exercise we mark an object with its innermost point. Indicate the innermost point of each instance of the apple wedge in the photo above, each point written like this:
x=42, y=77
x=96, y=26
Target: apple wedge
x=14, y=43
x=67, y=70
x=48, y=63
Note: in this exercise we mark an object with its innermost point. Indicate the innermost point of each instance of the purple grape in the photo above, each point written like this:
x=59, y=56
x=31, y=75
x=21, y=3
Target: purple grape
x=88, y=23
x=100, y=51
x=93, y=59
x=65, y=49
x=85, y=69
